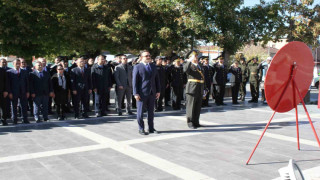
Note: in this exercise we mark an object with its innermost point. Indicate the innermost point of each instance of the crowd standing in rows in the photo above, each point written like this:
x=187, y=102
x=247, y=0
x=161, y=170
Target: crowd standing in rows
x=146, y=84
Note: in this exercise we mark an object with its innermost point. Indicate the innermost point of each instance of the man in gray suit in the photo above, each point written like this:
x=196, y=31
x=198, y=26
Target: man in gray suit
x=123, y=78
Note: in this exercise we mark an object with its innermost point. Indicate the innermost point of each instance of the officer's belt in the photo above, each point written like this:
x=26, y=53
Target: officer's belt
x=196, y=80
x=253, y=73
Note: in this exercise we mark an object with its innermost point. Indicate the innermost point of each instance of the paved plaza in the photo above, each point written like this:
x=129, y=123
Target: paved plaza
x=111, y=147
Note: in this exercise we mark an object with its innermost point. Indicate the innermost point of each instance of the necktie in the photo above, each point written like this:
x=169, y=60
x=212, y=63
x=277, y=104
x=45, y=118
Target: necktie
x=148, y=68
x=41, y=74
x=61, y=81
x=82, y=72
x=18, y=73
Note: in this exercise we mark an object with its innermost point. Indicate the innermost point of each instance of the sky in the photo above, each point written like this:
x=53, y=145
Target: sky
x=254, y=2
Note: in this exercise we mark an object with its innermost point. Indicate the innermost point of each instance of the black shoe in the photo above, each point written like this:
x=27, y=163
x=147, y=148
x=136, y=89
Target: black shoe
x=98, y=115
x=4, y=122
x=191, y=126
x=120, y=113
x=130, y=113
x=85, y=116
x=38, y=121
x=26, y=122
x=103, y=114
x=251, y=101
x=223, y=104
x=235, y=103
x=153, y=131
x=46, y=119
x=197, y=125
x=142, y=132
x=76, y=117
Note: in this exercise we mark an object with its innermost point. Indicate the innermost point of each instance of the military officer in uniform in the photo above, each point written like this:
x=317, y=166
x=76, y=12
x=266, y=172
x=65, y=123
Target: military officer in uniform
x=194, y=89
x=235, y=81
x=208, y=75
x=163, y=82
x=221, y=80
x=168, y=69
x=253, y=68
x=244, y=74
x=177, y=83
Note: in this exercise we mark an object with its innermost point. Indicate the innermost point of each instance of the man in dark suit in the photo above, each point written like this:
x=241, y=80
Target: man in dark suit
x=60, y=84
x=25, y=67
x=40, y=90
x=101, y=85
x=46, y=68
x=4, y=65
x=146, y=88
x=81, y=87
x=18, y=90
x=123, y=78
x=3, y=95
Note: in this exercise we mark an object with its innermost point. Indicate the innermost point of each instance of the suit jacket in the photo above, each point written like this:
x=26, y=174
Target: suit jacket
x=122, y=77
x=3, y=81
x=101, y=78
x=80, y=81
x=193, y=72
x=17, y=85
x=61, y=94
x=40, y=85
x=221, y=74
x=144, y=82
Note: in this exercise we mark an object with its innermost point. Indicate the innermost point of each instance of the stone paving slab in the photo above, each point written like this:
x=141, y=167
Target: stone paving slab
x=218, y=150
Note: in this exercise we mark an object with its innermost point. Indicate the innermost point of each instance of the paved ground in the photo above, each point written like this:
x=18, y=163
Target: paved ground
x=111, y=148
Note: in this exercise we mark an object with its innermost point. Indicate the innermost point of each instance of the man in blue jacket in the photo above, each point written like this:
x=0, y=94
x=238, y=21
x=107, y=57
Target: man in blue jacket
x=146, y=89
x=18, y=90
x=40, y=90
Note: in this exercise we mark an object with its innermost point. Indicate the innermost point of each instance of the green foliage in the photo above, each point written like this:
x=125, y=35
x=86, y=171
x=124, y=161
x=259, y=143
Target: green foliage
x=63, y=27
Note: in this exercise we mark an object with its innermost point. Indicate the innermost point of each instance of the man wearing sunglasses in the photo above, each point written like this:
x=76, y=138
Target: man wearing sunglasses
x=146, y=89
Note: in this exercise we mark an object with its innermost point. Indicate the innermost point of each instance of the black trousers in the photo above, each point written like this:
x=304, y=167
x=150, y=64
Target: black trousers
x=167, y=95
x=193, y=108
x=220, y=89
x=205, y=102
x=61, y=109
x=3, y=108
x=177, y=93
x=159, y=102
x=235, y=92
x=81, y=96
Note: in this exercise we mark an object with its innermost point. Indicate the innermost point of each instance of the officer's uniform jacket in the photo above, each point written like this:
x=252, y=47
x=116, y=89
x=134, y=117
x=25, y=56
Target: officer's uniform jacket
x=196, y=81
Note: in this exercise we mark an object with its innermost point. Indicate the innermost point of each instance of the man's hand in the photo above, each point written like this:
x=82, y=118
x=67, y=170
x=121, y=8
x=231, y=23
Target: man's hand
x=51, y=94
x=120, y=87
x=157, y=95
x=5, y=94
x=10, y=96
x=74, y=92
x=33, y=95
x=137, y=97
